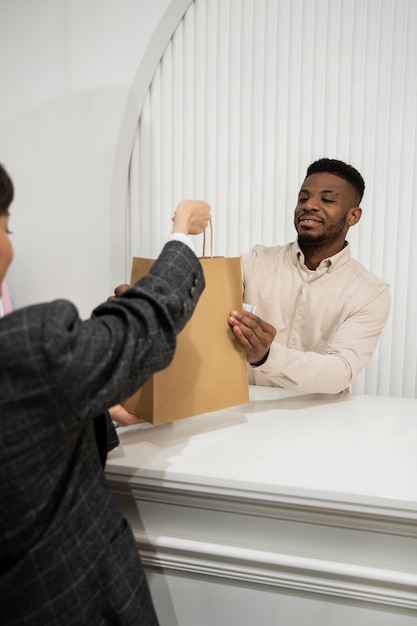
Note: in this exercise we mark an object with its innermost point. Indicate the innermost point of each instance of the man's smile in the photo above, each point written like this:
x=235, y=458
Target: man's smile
x=309, y=220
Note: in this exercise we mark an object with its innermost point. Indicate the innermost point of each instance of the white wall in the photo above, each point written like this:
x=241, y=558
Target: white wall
x=247, y=94
x=66, y=67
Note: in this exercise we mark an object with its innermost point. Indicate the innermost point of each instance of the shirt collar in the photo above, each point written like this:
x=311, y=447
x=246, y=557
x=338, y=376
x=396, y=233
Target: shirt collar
x=331, y=263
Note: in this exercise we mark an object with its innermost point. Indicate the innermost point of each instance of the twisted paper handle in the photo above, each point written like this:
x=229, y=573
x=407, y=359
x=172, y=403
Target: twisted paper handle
x=211, y=241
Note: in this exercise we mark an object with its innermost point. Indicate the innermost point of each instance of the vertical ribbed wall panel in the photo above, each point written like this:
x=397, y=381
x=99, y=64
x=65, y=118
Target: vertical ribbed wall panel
x=247, y=94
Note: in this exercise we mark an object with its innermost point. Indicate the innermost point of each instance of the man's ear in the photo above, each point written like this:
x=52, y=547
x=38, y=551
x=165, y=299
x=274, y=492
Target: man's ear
x=354, y=215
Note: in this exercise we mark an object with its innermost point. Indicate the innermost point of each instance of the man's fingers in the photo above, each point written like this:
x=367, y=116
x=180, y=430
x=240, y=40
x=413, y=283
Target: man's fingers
x=256, y=325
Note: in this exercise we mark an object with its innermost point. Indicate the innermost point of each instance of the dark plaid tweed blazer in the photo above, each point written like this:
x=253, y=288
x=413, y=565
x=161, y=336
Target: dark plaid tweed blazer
x=67, y=556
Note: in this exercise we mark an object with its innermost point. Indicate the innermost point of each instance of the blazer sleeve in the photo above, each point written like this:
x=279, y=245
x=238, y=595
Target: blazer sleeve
x=87, y=366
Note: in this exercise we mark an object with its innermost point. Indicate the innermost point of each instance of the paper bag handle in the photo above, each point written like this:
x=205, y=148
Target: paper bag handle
x=211, y=241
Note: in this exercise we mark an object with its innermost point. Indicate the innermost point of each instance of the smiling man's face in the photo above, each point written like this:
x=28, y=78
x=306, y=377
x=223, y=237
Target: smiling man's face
x=324, y=211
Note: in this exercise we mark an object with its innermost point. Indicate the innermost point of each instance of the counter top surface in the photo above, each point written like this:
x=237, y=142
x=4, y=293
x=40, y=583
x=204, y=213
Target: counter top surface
x=349, y=448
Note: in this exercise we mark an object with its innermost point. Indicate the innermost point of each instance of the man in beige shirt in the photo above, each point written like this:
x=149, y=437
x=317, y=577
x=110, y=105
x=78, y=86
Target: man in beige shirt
x=319, y=312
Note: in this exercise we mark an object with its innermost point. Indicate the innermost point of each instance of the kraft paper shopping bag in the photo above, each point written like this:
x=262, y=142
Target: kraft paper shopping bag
x=209, y=368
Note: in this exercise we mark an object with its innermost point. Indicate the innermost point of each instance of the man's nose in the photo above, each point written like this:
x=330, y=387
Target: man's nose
x=312, y=204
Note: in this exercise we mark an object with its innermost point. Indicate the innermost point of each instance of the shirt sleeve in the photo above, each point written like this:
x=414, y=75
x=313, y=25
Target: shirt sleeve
x=351, y=348
x=183, y=238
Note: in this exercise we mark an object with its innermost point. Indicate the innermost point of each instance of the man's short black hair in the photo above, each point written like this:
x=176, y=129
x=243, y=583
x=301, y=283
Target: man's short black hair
x=342, y=169
x=6, y=191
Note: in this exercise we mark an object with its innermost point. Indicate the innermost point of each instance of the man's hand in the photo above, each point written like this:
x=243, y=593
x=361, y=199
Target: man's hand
x=191, y=217
x=253, y=334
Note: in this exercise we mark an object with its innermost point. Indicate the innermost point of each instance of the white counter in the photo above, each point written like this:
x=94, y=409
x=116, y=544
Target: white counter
x=303, y=506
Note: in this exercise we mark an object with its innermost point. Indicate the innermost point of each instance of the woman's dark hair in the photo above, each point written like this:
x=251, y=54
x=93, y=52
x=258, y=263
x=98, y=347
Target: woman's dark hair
x=6, y=191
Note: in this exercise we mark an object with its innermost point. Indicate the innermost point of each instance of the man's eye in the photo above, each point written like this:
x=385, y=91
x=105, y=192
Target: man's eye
x=328, y=201
x=9, y=232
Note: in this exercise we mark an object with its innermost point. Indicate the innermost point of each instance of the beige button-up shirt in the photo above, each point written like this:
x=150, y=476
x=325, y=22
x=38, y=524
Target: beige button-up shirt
x=328, y=322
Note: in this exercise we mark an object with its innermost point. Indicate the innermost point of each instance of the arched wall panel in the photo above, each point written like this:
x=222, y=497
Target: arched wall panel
x=247, y=93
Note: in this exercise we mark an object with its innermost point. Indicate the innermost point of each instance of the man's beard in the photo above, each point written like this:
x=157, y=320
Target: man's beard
x=311, y=240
